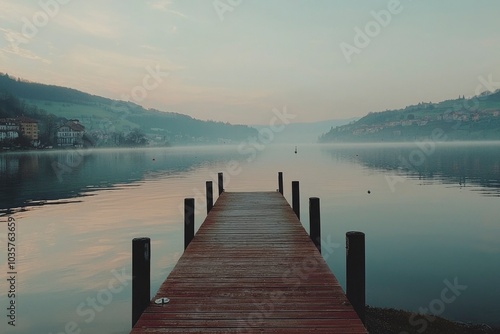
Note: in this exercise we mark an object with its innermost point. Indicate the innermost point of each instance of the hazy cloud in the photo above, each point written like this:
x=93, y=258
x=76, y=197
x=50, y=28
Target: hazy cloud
x=13, y=44
x=165, y=6
x=94, y=24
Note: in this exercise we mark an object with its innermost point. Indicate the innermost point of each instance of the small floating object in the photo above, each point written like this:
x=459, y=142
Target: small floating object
x=154, y=159
x=162, y=301
x=295, y=149
x=369, y=192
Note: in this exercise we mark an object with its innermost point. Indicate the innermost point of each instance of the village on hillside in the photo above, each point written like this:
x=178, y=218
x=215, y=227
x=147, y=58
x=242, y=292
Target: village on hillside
x=385, y=126
x=459, y=116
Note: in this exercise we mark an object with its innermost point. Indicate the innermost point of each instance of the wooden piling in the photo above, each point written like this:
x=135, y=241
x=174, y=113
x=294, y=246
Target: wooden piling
x=221, y=183
x=296, y=198
x=355, y=272
x=141, y=276
x=210, y=196
x=188, y=221
x=280, y=182
x=315, y=222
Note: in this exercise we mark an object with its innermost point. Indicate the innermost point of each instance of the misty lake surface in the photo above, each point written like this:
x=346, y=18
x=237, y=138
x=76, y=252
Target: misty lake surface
x=430, y=215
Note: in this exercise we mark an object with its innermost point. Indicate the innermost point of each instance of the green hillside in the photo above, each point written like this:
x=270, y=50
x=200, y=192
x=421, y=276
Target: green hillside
x=102, y=116
x=87, y=112
x=477, y=118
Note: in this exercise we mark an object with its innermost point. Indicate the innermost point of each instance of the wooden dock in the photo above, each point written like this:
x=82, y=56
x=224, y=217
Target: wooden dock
x=251, y=268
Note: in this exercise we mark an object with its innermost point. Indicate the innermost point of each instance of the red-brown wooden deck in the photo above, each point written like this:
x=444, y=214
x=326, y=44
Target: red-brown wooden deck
x=251, y=268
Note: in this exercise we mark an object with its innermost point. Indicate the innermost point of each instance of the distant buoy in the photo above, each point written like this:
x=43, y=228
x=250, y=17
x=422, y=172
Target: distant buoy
x=295, y=149
x=369, y=192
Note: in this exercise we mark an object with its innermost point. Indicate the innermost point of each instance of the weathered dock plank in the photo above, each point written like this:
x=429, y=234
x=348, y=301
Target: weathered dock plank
x=251, y=268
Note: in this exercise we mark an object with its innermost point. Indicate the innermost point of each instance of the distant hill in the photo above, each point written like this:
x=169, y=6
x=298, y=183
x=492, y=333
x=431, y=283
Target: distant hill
x=476, y=118
x=303, y=133
x=101, y=115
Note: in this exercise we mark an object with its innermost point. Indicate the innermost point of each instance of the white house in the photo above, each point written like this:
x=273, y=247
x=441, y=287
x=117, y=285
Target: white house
x=70, y=134
x=9, y=129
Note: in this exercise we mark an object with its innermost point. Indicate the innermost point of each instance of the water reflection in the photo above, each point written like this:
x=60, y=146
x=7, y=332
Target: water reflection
x=460, y=165
x=40, y=178
x=416, y=236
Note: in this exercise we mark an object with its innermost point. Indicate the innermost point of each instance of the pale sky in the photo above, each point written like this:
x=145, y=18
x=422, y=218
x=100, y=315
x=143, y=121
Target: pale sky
x=236, y=60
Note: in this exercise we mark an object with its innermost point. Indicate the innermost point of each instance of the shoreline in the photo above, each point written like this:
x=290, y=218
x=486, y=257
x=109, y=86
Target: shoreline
x=391, y=321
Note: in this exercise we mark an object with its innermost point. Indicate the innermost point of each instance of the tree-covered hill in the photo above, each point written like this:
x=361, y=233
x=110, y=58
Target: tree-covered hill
x=102, y=116
x=476, y=118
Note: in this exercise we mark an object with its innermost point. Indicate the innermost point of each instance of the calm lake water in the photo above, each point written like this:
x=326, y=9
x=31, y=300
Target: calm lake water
x=432, y=215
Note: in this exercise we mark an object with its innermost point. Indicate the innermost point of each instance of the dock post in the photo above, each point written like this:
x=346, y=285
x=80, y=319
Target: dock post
x=188, y=221
x=355, y=272
x=141, y=276
x=280, y=182
x=314, y=222
x=210, y=196
x=221, y=183
x=296, y=198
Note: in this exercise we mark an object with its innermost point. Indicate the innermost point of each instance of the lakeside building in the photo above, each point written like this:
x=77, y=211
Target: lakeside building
x=70, y=134
x=9, y=129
